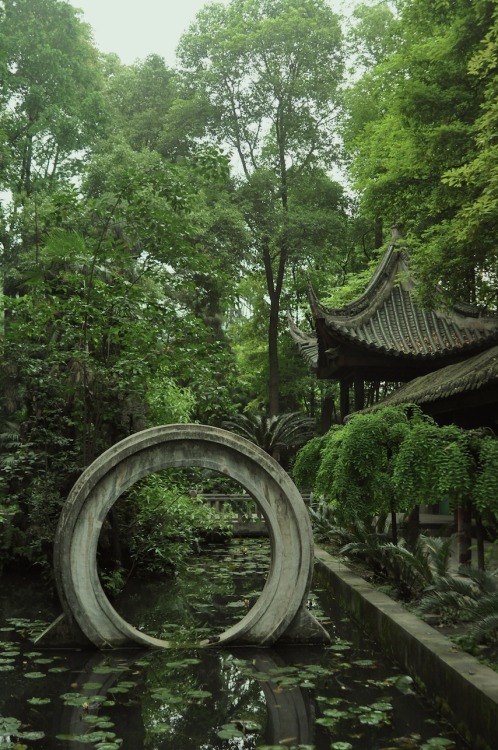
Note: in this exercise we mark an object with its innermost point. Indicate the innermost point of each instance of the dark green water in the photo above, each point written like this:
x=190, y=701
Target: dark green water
x=345, y=696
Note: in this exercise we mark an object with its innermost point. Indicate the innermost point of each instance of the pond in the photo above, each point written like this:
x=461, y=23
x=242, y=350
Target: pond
x=343, y=696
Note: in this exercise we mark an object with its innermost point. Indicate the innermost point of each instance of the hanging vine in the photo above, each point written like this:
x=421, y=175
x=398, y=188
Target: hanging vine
x=485, y=491
x=396, y=458
x=434, y=464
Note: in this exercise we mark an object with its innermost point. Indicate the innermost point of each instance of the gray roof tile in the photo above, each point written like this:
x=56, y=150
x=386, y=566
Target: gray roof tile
x=387, y=319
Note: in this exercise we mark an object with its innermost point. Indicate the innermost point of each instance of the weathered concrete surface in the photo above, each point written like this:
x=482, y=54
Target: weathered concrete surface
x=465, y=690
x=277, y=610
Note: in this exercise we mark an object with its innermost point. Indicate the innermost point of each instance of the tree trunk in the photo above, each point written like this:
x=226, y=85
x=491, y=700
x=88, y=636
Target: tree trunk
x=345, y=404
x=481, y=563
x=394, y=527
x=274, y=284
x=359, y=393
x=275, y=281
x=379, y=232
x=326, y=415
x=464, y=536
x=412, y=527
x=273, y=365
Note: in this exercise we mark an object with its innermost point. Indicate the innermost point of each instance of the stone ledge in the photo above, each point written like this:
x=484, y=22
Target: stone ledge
x=465, y=690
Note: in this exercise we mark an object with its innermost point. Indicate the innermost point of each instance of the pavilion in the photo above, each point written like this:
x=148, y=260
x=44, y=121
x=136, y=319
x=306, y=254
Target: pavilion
x=386, y=336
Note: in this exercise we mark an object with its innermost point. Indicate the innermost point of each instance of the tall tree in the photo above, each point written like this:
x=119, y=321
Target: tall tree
x=140, y=97
x=471, y=233
x=51, y=110
x=145, y=105
x=51, y=92
x=270, y=72
x=412, y=120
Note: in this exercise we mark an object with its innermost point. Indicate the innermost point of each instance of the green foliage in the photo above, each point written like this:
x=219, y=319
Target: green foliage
x=407, y=570
x=485, y=489
x=56, y=84
x=396, y=458
x=304, y=38
x=139, y=98
x=269, y=73
x=86, y=349
x=274, y=435
x=434, y=464
x=471, y=597
x=160, y=525
x=307, y=463
x=167, y=402
x=357, y=475
x=419, y=132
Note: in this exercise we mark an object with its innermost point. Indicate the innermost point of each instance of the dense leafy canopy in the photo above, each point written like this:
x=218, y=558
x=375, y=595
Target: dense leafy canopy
x=51, y=96
x=418, y=131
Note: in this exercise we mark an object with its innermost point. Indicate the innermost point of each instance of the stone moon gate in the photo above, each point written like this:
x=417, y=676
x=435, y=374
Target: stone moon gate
x=279, y=614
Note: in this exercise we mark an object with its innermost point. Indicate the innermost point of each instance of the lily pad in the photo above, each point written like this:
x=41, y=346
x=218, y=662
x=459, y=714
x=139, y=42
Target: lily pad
x=364, y=663
x=229, y=731
x=31, y=735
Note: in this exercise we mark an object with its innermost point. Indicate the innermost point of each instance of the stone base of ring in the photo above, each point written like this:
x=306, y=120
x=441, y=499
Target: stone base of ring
x=64, y=632
x=305, y=629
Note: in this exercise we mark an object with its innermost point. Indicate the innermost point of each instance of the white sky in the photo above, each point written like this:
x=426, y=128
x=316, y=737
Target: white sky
x=134, y=29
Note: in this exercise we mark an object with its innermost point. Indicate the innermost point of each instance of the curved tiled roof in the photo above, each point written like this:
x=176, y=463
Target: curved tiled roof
x=387, y=319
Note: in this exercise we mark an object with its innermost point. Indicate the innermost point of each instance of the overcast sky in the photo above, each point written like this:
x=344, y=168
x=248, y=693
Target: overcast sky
x=136, y=28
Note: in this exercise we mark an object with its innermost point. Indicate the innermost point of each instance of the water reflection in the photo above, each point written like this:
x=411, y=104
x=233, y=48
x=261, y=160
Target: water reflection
x=188, y=701
x=90, y=696
x=290, y=712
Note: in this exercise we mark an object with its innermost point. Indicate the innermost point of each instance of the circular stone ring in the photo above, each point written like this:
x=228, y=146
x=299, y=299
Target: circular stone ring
x=279, y=613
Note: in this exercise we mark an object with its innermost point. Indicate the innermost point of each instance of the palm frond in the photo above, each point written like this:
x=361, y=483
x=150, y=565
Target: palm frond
x=453, y=605
x=439, y=552
x=285, y=431
x=484, y=627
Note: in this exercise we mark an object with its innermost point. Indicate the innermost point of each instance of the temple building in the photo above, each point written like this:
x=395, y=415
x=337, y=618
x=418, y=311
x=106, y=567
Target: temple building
x=386, y=336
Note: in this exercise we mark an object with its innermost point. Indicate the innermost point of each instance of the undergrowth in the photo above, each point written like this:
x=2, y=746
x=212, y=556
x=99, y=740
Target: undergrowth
x=462, y=602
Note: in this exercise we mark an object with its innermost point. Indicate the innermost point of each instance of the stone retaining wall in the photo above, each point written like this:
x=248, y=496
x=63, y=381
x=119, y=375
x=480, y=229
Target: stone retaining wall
x=465, y=690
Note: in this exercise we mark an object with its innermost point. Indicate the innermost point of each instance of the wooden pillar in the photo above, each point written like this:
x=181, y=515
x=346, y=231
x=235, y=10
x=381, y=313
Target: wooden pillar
x=327, y=414
x=345, y=405
x=359, y=394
